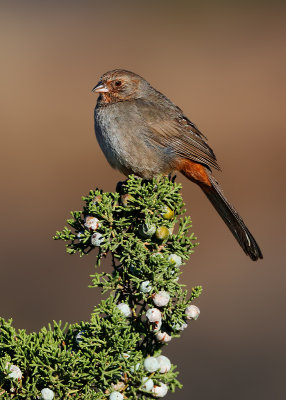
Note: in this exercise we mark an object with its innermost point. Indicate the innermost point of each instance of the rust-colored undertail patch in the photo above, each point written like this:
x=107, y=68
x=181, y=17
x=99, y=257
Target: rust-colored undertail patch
x=193, y=171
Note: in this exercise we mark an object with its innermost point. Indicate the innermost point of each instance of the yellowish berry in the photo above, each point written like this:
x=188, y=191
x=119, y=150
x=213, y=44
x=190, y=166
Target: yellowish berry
x=168, y=213
x=162, y=233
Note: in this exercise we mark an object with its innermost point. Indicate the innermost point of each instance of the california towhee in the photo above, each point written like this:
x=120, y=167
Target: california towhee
x=142, y=132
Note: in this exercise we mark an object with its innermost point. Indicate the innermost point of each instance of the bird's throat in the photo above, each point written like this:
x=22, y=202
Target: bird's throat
x=105, y=98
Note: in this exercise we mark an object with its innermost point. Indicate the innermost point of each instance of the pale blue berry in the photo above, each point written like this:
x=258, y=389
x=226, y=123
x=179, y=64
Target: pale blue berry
x=192, y=312
x=154, y=315
x=15, y=372
x=145, y=287
x=147, y=384
x=164, y=363
x=160, y=391
x=47, y=394
x=175, y=260
x=116, y=396
x=125, y=309
x=163, y=337
x=91, y=222
x=161, y=299
x=96, y=239
x=151, y=364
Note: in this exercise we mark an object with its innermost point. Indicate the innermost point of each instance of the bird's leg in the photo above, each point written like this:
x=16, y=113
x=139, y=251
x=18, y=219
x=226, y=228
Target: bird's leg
x=172, y=179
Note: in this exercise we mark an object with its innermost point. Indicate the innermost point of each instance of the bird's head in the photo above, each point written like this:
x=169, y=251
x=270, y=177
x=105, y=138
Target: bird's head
x=120, y=85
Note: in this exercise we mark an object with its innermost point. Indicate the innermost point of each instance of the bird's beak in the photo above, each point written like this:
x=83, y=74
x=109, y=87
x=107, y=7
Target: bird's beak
x=100, y=88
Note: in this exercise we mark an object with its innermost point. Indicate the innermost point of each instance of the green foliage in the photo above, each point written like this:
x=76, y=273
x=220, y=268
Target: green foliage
x=90, y=360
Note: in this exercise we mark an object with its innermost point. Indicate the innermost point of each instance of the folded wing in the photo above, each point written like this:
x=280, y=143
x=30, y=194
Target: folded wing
x=173, y=130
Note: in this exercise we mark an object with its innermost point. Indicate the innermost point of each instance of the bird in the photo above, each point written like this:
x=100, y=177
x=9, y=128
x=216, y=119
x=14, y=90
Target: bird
x=142, y=132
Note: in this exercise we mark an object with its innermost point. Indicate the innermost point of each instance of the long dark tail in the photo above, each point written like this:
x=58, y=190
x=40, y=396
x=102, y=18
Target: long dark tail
x=232, y=220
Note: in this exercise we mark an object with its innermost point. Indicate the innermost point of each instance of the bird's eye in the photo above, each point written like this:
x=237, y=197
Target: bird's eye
x=118, y=83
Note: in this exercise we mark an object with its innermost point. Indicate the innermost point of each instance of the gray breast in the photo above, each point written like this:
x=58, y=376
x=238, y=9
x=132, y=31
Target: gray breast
x=123, y=138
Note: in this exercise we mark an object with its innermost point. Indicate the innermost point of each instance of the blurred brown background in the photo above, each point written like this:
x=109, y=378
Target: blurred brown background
x=224, y=64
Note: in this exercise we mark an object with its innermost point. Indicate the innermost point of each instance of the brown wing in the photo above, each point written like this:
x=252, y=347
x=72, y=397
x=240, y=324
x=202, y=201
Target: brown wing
x=172, y=129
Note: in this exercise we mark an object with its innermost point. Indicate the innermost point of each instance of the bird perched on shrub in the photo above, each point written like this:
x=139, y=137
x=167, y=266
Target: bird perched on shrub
x=142, y=132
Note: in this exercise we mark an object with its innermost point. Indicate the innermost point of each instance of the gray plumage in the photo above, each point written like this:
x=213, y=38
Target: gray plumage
x=142, y=132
